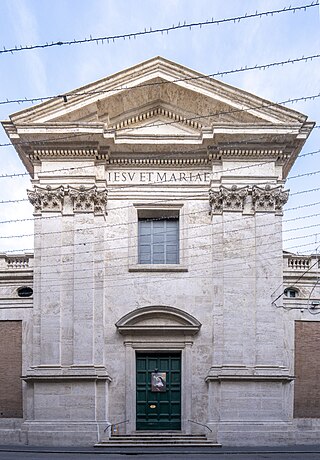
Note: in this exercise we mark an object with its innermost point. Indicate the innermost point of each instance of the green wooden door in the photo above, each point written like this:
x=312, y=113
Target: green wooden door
x=159, y=410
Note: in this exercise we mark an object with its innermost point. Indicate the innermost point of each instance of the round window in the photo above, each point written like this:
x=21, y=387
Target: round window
x=291, y=292
x=25, y=291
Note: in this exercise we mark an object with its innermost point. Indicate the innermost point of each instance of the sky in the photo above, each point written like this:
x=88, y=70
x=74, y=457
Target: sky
x=209, y=49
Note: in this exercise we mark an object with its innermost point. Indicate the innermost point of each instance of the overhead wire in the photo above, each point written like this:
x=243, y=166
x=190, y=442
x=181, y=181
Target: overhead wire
x=285, y=210
x=144, y=275
x=264, y=104
x=134, y=238
x=292, y=285
x=134, y=222
x=56, y=44
x=184, y=25
x=203, y=193
x=291, y=100
x=126, y=247
x=224, y=170
x=72, y=93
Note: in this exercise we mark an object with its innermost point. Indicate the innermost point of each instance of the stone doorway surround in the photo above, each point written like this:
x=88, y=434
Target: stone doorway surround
x=157, y=329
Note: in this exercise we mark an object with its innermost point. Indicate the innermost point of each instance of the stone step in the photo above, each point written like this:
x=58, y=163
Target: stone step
x=159, y=433
x=158, y=440
x=182, y=437
x=107, y=444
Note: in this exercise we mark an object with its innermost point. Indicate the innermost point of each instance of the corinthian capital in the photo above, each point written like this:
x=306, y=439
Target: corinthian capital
x=269, y=199
x=88, y=199
x=227, y=199
x=46, y=199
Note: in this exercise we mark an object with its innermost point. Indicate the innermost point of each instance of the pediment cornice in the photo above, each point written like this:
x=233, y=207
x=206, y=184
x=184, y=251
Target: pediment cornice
x=143, y=75
x=158, y=319
x=156, y=106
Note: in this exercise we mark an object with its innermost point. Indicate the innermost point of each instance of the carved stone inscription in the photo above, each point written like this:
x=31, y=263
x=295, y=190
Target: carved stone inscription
x=158, y=177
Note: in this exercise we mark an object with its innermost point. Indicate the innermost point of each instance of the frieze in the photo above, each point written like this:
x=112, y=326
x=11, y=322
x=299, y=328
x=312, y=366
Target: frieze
x=88, y=200
x=46, y=199
x=227, y=199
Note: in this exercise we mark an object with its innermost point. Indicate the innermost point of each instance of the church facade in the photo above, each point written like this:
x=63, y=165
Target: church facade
x=158, y=297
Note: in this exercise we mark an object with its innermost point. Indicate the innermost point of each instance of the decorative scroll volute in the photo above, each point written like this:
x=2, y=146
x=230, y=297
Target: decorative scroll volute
x=46, y=199
x=88, y=200
x=269, y=199
x=227, y=199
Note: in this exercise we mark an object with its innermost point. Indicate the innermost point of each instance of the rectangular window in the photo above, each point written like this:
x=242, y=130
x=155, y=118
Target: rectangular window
x=158, y=237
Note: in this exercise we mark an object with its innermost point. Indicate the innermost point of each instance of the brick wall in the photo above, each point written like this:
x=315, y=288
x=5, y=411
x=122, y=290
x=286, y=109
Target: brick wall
x=307, y=369
x=10, y=369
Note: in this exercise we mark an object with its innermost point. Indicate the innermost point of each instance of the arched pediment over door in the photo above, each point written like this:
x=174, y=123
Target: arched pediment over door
x=158, y=320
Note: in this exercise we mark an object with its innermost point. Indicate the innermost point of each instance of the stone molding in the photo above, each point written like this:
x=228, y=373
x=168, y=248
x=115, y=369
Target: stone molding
x=274, y=153
x=234, y=198
x=159, y=161
x=255, y=373
x=73, y=372
x=68, y=152
x=84, y=199
x=155, y=319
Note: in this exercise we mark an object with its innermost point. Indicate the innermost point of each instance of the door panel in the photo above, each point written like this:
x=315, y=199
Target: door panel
x=158, y=410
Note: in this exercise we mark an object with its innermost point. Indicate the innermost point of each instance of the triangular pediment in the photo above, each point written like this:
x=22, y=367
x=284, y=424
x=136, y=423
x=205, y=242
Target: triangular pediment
x=157, y=104
x=158, y=79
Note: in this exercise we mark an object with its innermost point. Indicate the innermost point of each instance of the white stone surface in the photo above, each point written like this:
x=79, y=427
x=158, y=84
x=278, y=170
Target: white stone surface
x=78, y=368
